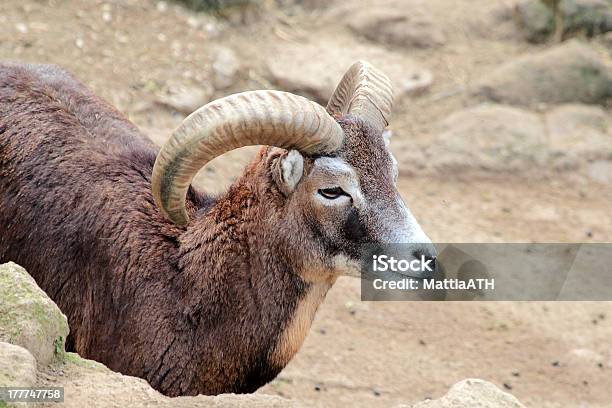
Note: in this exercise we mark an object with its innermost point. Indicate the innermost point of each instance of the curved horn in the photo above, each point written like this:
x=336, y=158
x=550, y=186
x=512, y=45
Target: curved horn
x=250, y=118
x=365, y=92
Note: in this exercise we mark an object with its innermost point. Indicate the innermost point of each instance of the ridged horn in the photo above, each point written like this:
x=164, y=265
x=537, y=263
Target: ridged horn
x=271, y=118
x=365, y=92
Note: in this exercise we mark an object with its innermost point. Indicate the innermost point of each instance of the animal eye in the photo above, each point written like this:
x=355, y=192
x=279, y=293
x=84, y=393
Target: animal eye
x=332, y=193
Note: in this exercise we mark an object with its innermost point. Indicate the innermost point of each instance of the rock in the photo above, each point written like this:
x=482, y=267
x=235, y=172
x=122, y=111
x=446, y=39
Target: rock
x=397, y=24
x=314, y=69
x=535, y=20
x=17, y=366
x=588, y=17
x=90, y=384
x=473, y=393
x=501, y=138
x=225, y=68
x=570, y=72
x=489, y=137
x=579, y=134
x=28, y=317
x=600, y=171
x=607, y=40
x=419, y=83
x=185, y=99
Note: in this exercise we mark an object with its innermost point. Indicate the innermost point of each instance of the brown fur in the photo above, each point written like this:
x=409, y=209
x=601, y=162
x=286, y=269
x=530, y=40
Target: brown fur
x=218, y=306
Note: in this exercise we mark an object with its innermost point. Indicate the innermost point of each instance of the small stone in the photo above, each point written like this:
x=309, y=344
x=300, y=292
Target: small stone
x=22, y=28
x=473, y=393
x=185, y=99
x=417, y=83
x=162, y=6
x=600, y=171
x=225, y=68
x=193, y=22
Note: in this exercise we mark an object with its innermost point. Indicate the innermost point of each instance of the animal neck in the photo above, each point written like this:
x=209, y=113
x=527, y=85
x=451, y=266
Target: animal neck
x=294, y=332
x=237, y=266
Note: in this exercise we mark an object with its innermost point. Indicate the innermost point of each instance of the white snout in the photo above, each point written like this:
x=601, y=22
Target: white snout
x=405, y=229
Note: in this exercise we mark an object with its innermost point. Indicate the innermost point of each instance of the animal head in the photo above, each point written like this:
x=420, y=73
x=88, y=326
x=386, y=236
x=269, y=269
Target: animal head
x=332, y=166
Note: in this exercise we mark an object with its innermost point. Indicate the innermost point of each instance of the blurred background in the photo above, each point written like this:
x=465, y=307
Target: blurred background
x=501, y=127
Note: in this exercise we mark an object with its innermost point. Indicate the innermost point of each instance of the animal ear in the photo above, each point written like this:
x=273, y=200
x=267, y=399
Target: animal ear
x=387, y=136
x=288, y=170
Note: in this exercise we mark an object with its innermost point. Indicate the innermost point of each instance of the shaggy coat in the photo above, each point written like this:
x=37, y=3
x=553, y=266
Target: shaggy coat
x=186, y=308
x=220, y=305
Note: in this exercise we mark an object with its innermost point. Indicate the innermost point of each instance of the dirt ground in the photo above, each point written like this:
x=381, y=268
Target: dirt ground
x=357, y=353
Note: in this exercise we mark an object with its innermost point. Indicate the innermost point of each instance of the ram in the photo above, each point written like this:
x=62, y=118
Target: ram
x=196, y=294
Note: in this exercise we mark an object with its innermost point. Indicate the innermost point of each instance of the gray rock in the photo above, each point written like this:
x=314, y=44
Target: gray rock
x=419, y=83
x=473, y=393
x=600, y=171
x=225, y=68
x=314, y=69
x=185, y=99
x=535, y=20
x=28, y=317
x=588, y=17
x=17, y=366
x=91, y=384
x=570, y=72
x=578, y=134
x=502, y=138
x=399, y=25
x=607, y=40
x=490, y=138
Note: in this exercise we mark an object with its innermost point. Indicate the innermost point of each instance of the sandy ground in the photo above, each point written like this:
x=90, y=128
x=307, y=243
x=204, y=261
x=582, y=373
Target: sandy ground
x=365, y=354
